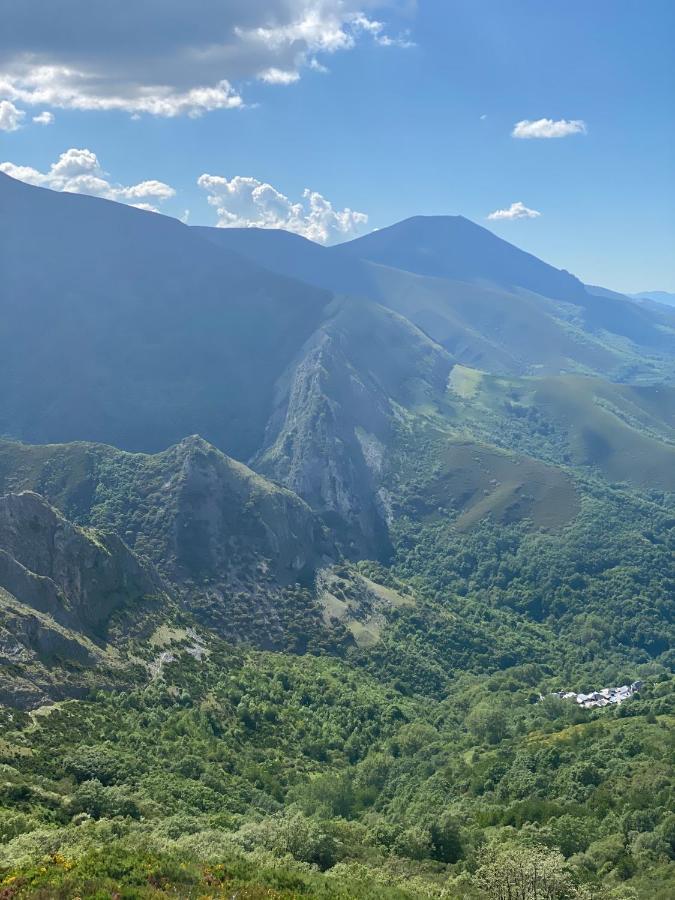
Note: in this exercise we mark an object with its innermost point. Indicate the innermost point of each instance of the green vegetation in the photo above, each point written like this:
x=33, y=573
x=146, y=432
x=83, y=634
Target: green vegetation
x=338, y=675
x=265, y=770
x=395, y=743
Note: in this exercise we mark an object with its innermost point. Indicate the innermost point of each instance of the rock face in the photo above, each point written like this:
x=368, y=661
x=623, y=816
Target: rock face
x=60, y=585
x=224, y=524
x=78, y=577
x=222, y=537
x=335, y=415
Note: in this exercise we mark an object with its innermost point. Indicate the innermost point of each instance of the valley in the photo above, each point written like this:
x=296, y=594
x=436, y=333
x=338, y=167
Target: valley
x=294, y=539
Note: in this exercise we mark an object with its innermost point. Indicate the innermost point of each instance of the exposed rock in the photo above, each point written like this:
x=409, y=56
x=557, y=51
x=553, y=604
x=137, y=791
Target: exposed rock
x=78, y=577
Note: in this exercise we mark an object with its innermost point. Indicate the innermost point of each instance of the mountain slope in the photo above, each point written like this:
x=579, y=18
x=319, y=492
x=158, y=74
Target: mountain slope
x=228, y=541
x=124, y=326
x=487, y=302
x=60, y=587
x=664, y=297
x=455, y=248
x=330, y=436
x=624, y=432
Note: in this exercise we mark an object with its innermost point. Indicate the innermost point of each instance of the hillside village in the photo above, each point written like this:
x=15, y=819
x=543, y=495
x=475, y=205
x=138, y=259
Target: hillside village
x=604, y=697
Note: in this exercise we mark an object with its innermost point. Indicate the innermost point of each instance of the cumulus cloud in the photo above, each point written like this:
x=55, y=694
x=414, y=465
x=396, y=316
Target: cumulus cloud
x=10, y=116
x=548, y=128
x=78, y=171
x=515, y=211
x=44, y=118
x=171, y=57
x=244, y=202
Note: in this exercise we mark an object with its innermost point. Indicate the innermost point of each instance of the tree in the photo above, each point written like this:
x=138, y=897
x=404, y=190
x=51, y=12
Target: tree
x=513, y=872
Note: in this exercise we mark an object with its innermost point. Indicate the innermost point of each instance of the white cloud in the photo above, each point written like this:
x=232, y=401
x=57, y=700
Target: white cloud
x=515, y=211
x=78, y=171
x=172, y=57
x=244, y=202
x=10, y=116
x=45, y=118
x=548, y=128
x=377, y=30
x=278, y=76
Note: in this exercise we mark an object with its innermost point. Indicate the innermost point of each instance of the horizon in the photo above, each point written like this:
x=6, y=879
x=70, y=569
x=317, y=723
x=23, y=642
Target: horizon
x=345, y=240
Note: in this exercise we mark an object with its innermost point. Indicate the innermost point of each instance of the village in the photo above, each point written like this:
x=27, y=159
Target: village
x=604, y=697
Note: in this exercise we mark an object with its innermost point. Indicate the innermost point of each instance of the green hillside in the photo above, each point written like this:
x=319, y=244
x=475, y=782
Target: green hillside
x=624, y=432
x=335, y=664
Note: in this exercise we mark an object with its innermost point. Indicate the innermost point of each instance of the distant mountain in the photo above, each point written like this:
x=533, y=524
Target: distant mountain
x=488, y=303
x=664, y=297
x=457, y=249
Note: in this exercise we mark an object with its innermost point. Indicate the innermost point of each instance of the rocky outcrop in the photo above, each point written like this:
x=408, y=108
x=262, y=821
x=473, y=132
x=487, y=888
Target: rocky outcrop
x=335, y=414
x=228, y=542
x=78, y=577
x=61, y=587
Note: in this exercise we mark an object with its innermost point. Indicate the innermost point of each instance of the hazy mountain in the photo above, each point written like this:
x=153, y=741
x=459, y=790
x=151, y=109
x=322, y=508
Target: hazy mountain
x=664, y=297
x=124, y=326
x=455, y=248
x=487, y=302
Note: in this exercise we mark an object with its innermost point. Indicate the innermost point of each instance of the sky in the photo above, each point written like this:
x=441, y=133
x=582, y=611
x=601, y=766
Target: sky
x=548, y=121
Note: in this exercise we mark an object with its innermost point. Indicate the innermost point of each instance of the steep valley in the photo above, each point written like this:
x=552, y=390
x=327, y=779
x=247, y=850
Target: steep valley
x=298, y=547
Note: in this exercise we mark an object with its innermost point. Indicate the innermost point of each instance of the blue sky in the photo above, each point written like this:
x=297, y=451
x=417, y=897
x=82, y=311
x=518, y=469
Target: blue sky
x=391, y=109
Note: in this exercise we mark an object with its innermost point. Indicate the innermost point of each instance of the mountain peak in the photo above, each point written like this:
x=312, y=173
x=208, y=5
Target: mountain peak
x=454, y=247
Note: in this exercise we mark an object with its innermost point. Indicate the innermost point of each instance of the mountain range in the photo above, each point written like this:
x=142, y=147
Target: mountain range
x=292, y=512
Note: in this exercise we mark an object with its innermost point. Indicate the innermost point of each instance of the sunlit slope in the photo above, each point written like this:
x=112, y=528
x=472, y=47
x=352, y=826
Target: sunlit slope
x=487, y=302
x=489, y=327
x=625, y=432
x=474, y=481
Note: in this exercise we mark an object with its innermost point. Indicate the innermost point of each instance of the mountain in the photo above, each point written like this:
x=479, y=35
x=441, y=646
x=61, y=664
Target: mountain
x=135, y=331
x=60, y=587
x=338, y=667
x=454, y=248
x=228, y=542
x=333, y=427
x=123, y=326
x=488, y=303
x=668, y=299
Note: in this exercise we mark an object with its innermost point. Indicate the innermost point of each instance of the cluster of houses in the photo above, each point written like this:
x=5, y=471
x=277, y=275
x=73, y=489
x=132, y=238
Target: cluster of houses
x=598, y=699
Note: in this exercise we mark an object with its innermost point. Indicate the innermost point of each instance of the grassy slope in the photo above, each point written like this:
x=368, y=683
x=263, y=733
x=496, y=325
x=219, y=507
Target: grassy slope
x=625, y=432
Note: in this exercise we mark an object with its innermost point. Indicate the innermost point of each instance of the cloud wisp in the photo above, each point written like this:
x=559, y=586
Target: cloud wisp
x=169, y=57
x=243, y=202
x=10, y=117
x=548, y=128
x=78, y=171
x=44, y=118
x=517, y=210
